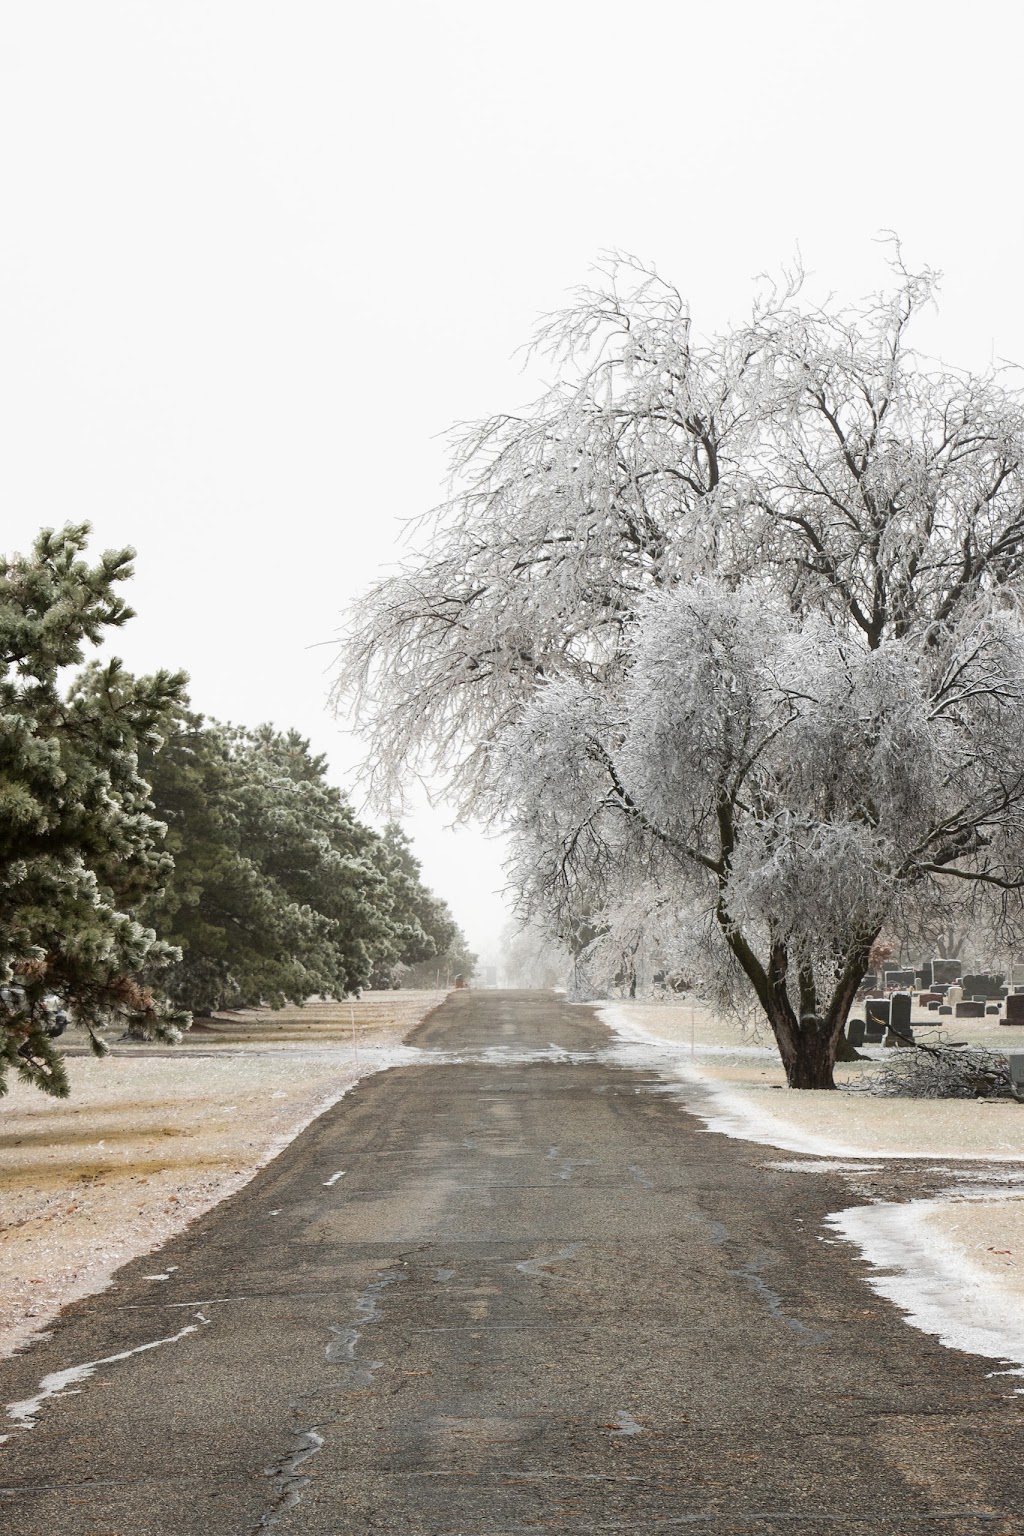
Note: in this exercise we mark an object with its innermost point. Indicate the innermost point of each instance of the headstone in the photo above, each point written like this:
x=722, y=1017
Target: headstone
x=1015, y=1008
x=899, y=1012
x=855, y=1032
x=945, y=1008
x=1015, y=1062
x=894, y=979
x=946, y=971
x=983, y=984
x=970, y=1010
x=933, y=1007
x=899, y=1037
x=876, y=1019
x=926, y=975
x=991, y=1008
x=954, y=995
x=869, y=982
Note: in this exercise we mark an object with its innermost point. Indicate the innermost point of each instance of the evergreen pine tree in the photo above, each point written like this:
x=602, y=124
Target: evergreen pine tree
x=79, y=846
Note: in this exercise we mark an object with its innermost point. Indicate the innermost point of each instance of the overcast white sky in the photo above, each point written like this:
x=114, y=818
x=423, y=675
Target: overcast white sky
x=255, y=257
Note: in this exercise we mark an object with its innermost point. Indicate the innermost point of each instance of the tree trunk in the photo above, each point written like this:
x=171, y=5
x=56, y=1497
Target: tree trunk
x=807, y=1047
x=812, y=1066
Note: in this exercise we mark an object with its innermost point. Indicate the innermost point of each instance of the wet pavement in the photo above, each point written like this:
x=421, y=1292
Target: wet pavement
x=509, y=1287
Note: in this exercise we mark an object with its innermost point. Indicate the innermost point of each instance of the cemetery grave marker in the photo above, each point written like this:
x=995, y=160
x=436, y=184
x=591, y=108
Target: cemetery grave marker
x=982, y=984
x=1014, y=1009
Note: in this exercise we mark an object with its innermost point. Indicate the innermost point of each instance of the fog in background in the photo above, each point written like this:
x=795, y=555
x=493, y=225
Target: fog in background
x=256, y=258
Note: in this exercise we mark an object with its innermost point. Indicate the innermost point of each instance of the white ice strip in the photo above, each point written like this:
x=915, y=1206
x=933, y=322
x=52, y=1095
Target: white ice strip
x=933, y=1283
x=58, y=1383
x=329, y=1183
x=826, y=1165
x=730, y=1114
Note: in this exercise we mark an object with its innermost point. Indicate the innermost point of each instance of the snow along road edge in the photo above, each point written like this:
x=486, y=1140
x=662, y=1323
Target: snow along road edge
x=932, y=1282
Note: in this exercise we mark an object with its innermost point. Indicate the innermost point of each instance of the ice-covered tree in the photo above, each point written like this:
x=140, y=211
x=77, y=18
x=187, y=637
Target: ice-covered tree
x=781, y=778
x=738, y=617
x=79, y=846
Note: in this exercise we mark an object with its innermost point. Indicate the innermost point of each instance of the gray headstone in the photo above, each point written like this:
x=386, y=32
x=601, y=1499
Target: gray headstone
x=982, y=984
x=970, y=1010
x=899, y=1010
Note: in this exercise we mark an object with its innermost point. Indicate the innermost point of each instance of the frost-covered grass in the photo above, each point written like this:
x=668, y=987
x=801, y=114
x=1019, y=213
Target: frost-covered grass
x=723, y=1057
x=148, y=1142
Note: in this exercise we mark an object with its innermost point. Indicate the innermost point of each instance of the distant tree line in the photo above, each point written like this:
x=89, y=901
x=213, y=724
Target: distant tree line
x=154, y=864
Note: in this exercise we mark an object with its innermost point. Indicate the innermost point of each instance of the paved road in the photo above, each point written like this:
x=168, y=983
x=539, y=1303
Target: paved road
x=539, y=1298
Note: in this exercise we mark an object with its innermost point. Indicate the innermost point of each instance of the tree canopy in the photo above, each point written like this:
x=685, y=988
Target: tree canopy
x=728, y=630
x=79, y=846
x=277, y=891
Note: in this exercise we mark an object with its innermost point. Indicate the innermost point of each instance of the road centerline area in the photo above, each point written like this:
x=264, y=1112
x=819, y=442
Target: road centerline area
x=454, y=1340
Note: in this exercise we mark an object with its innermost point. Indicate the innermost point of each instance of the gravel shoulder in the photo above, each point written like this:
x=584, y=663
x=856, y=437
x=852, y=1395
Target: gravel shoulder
x=152, y=1137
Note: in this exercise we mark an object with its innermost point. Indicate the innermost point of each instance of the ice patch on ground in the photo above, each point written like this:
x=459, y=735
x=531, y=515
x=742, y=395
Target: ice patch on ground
x=937, y=1288
x=826, y=1165
x=59, y=1383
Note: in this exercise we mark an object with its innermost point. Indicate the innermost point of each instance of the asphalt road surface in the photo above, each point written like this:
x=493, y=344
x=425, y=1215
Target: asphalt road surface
x=514, y=1292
